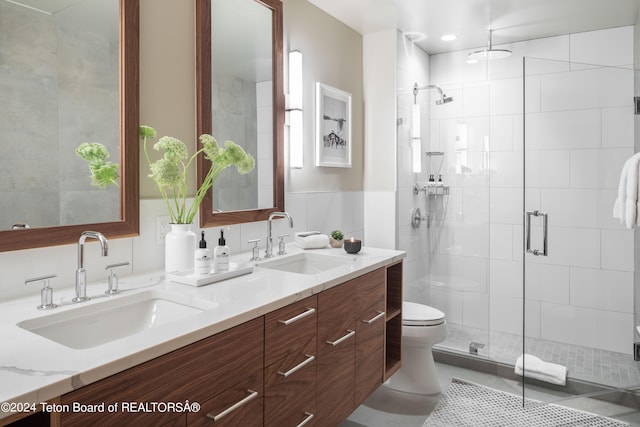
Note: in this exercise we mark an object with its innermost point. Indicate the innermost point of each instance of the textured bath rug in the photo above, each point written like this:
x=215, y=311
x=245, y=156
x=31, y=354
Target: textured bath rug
x=468, y=404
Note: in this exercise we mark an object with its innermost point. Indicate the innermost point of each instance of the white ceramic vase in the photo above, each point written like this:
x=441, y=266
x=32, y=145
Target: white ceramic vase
x=179, y=247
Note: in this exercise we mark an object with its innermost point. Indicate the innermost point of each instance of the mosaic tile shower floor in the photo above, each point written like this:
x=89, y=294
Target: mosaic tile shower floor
x=583, y=363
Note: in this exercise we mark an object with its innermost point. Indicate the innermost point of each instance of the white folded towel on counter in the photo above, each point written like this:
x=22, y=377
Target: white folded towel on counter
x=531, y=366
x=625, y=207
x=311, y=240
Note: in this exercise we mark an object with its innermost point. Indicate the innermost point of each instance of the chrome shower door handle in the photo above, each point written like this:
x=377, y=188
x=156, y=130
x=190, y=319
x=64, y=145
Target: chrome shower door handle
x=544, y=216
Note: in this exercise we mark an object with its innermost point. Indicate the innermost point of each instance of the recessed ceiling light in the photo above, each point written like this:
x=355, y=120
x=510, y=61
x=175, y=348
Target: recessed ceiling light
x=448, y=37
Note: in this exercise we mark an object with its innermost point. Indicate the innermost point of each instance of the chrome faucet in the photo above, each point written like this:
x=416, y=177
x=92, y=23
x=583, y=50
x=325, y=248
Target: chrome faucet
x=268, y=253
x=81, y=273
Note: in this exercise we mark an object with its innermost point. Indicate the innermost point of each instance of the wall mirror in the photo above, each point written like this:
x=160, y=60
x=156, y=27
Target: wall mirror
x=241, y=98
x=69, y=75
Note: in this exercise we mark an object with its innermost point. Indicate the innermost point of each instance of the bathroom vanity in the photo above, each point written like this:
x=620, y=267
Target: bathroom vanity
x=303, y=340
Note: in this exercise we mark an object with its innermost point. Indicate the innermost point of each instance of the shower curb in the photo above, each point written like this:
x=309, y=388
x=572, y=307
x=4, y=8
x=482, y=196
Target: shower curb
x=629, y=397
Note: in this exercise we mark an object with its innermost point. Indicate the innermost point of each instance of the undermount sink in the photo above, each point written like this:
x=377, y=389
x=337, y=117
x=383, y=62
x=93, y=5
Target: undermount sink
x=307, y=263
x=91, y=325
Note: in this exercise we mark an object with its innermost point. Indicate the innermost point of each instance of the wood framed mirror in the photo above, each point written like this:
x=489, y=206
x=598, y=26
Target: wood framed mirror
x=126, y=80
x=240, y=97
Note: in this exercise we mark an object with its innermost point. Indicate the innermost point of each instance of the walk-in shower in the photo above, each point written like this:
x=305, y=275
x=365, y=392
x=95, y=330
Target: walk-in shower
x=559, y=159
x=523, y=136
x=550, y=139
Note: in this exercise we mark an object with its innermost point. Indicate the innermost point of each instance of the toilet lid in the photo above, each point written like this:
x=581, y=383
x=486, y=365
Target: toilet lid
x=420, y=315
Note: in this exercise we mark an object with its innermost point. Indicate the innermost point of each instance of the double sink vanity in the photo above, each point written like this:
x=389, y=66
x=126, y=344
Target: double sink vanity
x=302, y=340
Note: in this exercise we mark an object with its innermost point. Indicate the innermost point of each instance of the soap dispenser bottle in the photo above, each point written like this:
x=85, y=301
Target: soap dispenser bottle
x=202, y=262
x=221, y=255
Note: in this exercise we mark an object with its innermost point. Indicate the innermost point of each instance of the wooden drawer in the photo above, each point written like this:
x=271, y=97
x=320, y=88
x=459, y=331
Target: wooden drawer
x=288, y=398
x=336, y=362
x=195, y=373
x=290, y=330
x=336, y=383
x=369, y=351
x=370, y=289
x=239, y=405
x=335, y=314
x=181, y=421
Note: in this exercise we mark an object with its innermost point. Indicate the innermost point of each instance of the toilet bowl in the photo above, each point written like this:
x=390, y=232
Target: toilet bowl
x=422, y=327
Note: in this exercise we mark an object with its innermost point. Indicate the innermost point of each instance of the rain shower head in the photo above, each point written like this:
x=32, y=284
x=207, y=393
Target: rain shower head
x=490, y=52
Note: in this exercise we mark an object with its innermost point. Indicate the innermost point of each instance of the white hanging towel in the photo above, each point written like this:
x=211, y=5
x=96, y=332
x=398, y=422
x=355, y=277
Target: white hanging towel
x=534, y=367
x=625, y=207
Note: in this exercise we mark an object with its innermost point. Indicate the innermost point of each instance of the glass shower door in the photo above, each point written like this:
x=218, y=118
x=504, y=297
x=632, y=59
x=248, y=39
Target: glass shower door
x=578, y=260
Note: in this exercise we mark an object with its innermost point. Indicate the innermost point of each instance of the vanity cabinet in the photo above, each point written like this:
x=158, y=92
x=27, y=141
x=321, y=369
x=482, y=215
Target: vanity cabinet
x=309, y=363
x=351, y=345
x=290, y=365
x=216, y=372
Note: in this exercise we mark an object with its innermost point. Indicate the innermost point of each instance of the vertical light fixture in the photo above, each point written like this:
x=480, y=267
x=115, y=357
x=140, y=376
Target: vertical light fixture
x=416, y=144
x=294, y=110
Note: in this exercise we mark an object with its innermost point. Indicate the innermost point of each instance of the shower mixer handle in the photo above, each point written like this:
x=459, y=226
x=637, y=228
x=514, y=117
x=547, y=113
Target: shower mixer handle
x=537, y=252
x=417, y=218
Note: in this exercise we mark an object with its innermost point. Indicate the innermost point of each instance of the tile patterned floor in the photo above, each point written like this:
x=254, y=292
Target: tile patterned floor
x=389, y=408
x=583, y=363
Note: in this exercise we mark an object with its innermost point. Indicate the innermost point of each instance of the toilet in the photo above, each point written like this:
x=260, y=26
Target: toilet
x=422, y=327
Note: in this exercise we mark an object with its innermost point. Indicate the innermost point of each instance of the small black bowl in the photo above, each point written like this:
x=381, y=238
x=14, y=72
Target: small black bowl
x=352, y=246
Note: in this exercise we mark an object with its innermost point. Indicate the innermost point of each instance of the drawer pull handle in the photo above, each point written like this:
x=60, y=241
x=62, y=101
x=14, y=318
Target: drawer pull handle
x=344, y=338
x=306, y=420
x=235, y=406
x=380, y=315
x=309, y=312
x=301, y=365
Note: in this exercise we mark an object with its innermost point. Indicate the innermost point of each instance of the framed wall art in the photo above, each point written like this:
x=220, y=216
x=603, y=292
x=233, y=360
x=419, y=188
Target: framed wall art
x=333, y=127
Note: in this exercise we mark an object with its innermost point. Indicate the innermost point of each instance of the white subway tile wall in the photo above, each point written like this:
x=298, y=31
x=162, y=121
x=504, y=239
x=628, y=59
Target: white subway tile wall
x=310, y=211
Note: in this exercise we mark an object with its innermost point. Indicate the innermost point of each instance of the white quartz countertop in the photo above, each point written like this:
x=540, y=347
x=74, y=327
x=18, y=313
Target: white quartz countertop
x=34, y=369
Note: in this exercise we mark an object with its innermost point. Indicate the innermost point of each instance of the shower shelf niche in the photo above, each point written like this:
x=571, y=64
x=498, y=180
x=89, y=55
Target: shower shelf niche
x=429, y=190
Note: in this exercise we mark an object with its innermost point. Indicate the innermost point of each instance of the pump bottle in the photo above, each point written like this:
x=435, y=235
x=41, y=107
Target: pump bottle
x=221, y=255
x=202, y=261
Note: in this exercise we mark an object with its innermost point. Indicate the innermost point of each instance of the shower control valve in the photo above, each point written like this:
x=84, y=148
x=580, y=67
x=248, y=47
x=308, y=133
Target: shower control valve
x=417, y=218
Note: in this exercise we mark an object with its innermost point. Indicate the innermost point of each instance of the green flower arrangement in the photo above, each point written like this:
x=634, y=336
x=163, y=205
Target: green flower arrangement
x=170, y=172
x=103, y=172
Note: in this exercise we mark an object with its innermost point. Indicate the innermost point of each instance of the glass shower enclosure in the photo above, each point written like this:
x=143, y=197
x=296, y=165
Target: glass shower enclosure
x=578, y=259
x=524, y=253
